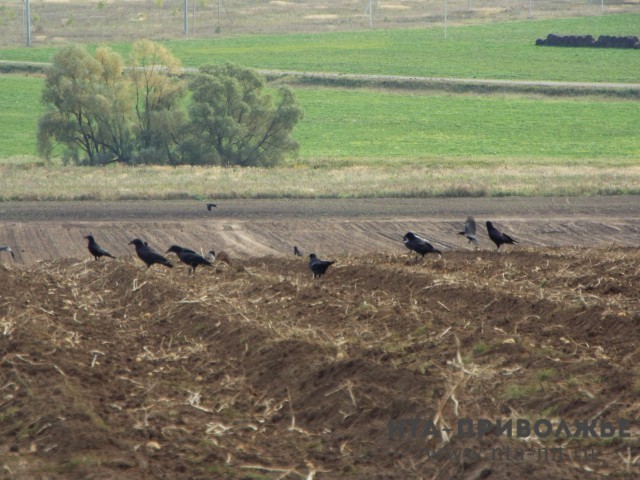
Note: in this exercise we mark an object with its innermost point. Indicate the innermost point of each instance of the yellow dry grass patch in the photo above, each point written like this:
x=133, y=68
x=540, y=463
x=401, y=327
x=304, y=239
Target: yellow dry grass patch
x=393, y=6
x=321, y=16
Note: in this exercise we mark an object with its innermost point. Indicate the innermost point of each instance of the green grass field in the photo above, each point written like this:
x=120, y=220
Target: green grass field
x=374, y=127
x=377, y=127
x=20, y=106
x=501, y=51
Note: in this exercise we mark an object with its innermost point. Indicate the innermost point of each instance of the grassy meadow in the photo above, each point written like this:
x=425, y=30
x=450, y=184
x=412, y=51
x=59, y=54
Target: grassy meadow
x=503, y=51
x=20, y=106
x=377, y=128
x=359, y=142
x=371, y=127
x=495, y=51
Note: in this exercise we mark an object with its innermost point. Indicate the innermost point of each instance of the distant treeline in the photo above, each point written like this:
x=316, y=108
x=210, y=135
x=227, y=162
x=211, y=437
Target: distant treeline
x=604, y=41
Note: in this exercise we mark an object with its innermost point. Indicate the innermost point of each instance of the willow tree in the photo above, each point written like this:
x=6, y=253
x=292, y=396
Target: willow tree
x=102, y=112
x=158, y=97
x=235, y=121
x=89, y=107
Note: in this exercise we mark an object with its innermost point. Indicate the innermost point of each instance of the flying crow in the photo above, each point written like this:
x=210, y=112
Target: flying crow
x=470, y=230
x=96, y=250
x=4, y=248
x=189, y=257
x=418, y=245
x=317, y=266
x=148, y=255
x=296, y=251
x=210, y=206
x=498, y=237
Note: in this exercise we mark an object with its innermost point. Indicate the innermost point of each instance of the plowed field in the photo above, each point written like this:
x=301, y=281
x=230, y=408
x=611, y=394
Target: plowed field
x=252, y=369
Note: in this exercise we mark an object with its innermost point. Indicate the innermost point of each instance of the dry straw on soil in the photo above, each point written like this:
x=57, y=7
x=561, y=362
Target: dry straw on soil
x=254, y=370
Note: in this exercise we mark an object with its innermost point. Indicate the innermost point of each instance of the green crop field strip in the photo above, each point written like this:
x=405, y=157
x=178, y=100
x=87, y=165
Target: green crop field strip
x=503, y=51
x=20, y=106
x=378, y=127
x=367, y=126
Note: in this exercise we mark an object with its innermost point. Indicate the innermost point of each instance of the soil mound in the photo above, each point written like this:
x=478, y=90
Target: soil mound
x=256, y=370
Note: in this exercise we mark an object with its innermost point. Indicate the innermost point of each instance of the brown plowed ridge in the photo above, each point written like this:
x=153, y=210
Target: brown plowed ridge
x=249, y=228
x=256, y=371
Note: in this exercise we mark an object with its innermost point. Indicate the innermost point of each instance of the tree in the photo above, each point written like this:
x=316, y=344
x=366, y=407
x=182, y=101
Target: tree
x=101, y=113
x=89, y=108
x=157, y=100
x=233, y=121
x=113, y=106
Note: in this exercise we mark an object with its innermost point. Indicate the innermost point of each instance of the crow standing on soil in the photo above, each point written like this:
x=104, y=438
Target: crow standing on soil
x=210, y=206
x=418, y=244
x=4, y=248
x=498, y=237
x=189, y=257
x=96, y=250
x=470, y=230
x=148, y=255
x=296, y=251
x=317, y=266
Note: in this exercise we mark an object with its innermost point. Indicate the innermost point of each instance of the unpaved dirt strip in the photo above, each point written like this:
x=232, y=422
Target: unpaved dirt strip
x=248, y=228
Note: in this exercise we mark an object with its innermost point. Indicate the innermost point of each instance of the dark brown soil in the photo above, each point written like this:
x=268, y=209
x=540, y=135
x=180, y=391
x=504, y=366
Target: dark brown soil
x=254, y=370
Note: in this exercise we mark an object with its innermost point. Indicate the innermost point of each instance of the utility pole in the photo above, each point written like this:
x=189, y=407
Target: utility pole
x=28, y=22
x=186, y=18
x=445, y=18
x=218, y=18
x=369, y=8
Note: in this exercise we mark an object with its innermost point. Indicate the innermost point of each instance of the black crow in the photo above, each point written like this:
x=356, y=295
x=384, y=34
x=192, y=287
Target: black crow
x=4, y=248
x=470, y=230
x=96, y=250
x=189, y=257
x=498, y=237
x=418, y=245
x=317, y=266
x=148, y=255
x=210, y=206
x=296, y=251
